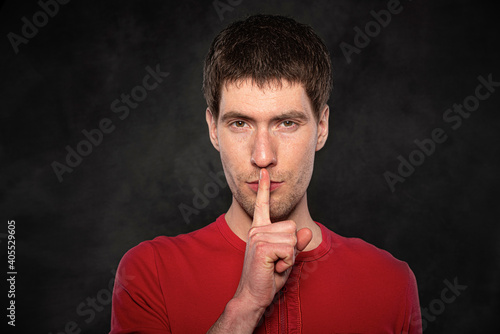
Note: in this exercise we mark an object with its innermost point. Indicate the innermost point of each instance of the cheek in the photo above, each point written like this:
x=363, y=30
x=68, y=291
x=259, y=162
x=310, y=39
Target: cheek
x=298, y=151
x=233, y=149
x=300, y=158
x=232, y=158
x=232, y=154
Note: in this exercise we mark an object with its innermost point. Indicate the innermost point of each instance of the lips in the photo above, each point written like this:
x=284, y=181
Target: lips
x=275, y=185
x=255, y=185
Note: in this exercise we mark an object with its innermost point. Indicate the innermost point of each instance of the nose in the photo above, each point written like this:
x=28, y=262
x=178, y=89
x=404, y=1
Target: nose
x=263, y=150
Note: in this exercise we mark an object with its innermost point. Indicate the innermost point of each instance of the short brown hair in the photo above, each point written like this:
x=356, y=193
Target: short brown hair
x=268, y=48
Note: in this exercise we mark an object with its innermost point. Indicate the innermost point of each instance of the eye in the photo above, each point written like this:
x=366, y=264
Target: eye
x=239, y=124
x=288, y=124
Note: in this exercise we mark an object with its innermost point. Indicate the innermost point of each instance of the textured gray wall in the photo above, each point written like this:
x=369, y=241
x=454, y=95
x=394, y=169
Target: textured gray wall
x=70, y=235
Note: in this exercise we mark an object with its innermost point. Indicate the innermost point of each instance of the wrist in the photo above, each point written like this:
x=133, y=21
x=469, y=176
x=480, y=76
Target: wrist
x=239, y=316
x=245, y=313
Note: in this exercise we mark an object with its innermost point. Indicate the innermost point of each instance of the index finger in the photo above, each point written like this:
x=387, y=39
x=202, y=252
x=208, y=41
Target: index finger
x=261, y=211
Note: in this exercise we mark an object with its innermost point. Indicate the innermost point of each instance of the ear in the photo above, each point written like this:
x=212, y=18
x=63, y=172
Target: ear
x=323, y=128
x=212, y=128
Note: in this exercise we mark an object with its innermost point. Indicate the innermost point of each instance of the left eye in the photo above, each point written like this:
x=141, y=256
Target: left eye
x=288, y=124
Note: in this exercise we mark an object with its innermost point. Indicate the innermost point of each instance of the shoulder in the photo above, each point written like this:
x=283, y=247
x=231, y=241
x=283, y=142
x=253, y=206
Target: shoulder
x=374, y=271
x=365, y=258
x=370, y=280
x=148, y=251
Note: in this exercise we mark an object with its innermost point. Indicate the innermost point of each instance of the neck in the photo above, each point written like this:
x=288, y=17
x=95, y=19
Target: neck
x=240, y=222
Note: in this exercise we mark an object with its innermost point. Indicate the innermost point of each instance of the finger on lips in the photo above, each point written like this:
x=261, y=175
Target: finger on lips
x=278, y=240
x=261, y=211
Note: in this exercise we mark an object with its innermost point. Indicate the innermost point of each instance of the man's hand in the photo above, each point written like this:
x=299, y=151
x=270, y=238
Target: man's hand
x=270, y=253
x=269, y=257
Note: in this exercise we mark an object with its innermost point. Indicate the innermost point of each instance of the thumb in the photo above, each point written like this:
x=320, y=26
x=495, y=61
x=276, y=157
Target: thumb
x=304, y=237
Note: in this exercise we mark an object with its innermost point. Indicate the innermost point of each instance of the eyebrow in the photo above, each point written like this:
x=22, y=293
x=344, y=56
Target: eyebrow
x=290, y=114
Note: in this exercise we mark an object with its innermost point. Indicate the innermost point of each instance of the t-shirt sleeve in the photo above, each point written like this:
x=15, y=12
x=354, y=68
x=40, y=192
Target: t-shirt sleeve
x=413, y=318
x=138, y=305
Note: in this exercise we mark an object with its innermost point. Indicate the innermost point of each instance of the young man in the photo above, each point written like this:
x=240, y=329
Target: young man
x=265, y=266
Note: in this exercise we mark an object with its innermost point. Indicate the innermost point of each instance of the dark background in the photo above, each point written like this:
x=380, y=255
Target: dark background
x=443, y=220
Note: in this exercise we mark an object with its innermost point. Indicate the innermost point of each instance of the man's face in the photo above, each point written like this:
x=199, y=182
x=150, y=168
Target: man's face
x=272, y=128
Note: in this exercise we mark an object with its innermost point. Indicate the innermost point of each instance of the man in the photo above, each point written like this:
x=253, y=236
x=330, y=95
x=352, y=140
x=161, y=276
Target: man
x=265, y=266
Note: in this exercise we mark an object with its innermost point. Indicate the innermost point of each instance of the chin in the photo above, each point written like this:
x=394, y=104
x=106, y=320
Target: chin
x=278, y=211
x=282, y=212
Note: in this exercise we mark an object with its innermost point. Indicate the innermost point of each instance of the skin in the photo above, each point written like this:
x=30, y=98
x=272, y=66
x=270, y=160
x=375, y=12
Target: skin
x=266, y=136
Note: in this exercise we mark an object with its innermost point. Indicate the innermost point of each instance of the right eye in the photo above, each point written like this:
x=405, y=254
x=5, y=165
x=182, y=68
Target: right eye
x=239, y=124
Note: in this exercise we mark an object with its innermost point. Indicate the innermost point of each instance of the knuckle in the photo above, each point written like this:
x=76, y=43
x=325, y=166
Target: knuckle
x=257, y=236
x=289, y=239
x=260, y=246
x=291, y=254
x=290, y=226
x=252, y=232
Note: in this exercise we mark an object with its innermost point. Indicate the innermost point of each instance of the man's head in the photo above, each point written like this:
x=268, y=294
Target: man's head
x=267, y=80
x=268, y=49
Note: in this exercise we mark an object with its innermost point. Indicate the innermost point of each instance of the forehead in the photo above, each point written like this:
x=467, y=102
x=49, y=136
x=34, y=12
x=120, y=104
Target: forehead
x=273, y=98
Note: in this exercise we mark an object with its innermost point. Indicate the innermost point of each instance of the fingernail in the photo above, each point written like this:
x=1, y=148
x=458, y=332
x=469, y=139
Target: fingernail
x=260, y=175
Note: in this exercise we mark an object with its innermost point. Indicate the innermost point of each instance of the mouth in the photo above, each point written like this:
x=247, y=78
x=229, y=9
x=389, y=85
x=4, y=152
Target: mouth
x=254, y=185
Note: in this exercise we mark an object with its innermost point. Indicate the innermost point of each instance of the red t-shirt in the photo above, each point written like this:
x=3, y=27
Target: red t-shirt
x=182, y=284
